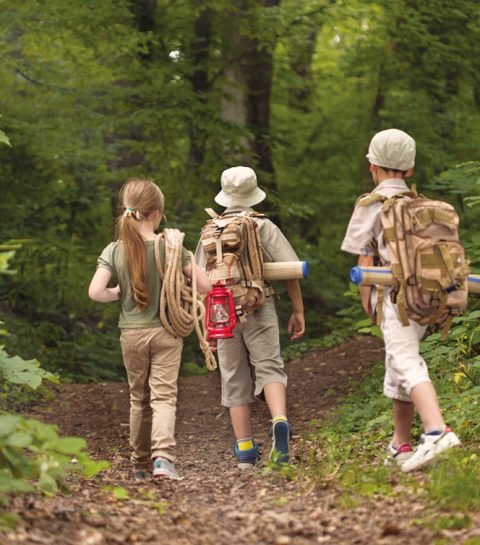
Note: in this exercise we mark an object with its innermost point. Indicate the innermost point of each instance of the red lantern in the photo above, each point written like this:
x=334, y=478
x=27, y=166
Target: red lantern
x=220, y=311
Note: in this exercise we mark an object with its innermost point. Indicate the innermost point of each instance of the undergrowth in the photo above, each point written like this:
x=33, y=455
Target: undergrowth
x=348, y=451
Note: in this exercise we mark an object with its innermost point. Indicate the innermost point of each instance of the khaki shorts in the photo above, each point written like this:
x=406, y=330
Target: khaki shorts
x=252, y=358
x=404, y=367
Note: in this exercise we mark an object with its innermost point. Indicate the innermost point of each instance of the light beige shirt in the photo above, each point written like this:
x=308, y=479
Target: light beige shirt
x=365, y=225
x=275, y=246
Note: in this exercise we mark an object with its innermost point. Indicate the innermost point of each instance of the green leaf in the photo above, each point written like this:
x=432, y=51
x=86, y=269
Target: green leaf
x=19, y=440
x=8, y=423
x=8, y=521
x=4, y=139
x=69, y=445
x=47, y=484
x=118, y=492
x=10, y=484
x=92, y=467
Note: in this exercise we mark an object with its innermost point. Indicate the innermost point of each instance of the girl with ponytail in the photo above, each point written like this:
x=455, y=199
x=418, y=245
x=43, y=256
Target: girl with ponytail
x=151, y=355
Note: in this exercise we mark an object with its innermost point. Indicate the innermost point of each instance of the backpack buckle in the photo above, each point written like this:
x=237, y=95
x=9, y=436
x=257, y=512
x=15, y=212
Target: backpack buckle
x=452, y=287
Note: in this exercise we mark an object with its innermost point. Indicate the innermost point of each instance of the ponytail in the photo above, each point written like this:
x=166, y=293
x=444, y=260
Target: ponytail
x=139, y=199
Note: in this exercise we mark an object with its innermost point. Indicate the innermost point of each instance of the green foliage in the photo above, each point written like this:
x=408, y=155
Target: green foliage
x=95, y=92
x=33, y=456
x=4, y=139
x=354, y=316
x=349, y=449
x=16, y=370
x=462, y=492
x=456, y=364
x=118, y=492
x=452, y=522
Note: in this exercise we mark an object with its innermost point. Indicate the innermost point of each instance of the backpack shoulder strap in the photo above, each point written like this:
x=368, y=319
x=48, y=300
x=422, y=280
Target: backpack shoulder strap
x=244, y=214
x=211, y=212
x=369, y=198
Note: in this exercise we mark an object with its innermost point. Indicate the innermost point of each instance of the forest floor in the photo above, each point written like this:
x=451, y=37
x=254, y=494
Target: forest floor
x=214, y=503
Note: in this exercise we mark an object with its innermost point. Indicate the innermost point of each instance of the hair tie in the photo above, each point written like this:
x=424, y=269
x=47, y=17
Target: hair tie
x=128, y=212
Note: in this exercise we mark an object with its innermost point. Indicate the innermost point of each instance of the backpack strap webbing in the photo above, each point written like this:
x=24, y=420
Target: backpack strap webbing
x=446, y=328
x=401, y=305
x=368, y=198
x=211, y=212
x=380, y=301
x=244, y=214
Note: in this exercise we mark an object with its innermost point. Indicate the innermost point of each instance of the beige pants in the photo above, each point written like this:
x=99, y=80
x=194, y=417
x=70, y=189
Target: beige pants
x=152, y=359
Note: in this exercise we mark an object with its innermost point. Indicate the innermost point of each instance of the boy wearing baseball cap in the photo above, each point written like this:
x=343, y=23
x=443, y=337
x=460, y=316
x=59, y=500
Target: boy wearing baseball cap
x=392, y=157
x=250, y=363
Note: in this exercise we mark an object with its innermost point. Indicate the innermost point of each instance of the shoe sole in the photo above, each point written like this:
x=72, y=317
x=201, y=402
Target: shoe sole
x=280, y=453
x=430, y=455
x=244, y=466
x=165, y=475
x=397, y=461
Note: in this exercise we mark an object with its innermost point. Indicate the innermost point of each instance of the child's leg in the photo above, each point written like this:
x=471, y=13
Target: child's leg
x=263, y=343
x=424, y=398
x=241, y=421
x=237, y=382
x=276, y=397
x=137, y=365
x=262, y=340
x=166, y=354
x=402, y=421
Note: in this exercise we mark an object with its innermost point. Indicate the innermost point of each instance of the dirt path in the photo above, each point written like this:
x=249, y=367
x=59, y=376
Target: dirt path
x=214, y=503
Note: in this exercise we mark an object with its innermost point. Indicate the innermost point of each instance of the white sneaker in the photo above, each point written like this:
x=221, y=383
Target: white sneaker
x=164, y=468
x=429, y=447
x=398, y=455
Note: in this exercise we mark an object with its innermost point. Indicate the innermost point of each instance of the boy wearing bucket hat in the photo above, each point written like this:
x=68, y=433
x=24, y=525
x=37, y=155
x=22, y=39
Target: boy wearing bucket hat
x=391, y=155
x=250, y=363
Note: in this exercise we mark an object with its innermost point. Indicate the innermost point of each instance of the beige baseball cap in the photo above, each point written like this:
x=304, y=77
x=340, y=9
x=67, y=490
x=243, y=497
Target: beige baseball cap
x=392, y=148
x=239, y=188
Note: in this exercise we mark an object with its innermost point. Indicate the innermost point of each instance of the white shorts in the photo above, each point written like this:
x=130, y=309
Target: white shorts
x=404, y=367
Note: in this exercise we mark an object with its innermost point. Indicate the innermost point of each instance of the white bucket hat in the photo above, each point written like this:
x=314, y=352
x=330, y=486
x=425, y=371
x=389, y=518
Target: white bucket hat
x=239, y=188
x=392, y=148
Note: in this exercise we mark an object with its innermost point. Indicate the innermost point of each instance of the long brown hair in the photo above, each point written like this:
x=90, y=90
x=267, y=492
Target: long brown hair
x=139, y=198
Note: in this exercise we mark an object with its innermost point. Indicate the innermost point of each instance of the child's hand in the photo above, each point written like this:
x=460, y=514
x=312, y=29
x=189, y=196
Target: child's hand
x=212, y=343
x=296, y=325
x=116, y=291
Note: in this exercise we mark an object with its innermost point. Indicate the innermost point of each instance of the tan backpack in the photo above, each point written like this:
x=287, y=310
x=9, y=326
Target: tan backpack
x=233, y=251
x=427, y=259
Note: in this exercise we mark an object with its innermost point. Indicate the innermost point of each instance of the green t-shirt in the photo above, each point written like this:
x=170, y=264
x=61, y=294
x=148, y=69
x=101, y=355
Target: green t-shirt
x=114, y=260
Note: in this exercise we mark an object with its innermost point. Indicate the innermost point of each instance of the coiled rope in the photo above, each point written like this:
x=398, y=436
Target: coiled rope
x=181, y=310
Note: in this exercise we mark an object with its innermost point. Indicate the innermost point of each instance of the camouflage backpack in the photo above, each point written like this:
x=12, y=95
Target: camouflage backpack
x=427, y=258
x=233, y=251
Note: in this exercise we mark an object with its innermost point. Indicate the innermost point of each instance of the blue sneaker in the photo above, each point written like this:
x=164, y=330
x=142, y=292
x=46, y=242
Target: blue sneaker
x=280, y=433
x=246, y=459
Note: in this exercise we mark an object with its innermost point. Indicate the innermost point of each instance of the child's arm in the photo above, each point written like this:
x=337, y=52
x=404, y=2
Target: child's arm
x=366, y=291
x=98, y=291
x=203, y=282
x=296, y=324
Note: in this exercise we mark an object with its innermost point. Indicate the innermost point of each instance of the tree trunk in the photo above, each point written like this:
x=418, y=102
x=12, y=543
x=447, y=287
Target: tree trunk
x=247, y=101
x=201, y=86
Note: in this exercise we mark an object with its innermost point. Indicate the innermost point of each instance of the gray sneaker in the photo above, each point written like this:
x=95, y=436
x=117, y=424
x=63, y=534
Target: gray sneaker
x=141, y=473
x=164, y=468
x=429, y=447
